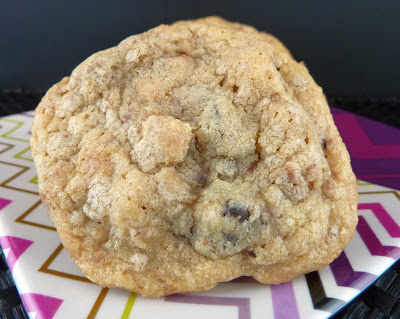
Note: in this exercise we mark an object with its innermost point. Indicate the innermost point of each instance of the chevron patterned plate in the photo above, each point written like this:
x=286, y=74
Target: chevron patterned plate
x=51, y=286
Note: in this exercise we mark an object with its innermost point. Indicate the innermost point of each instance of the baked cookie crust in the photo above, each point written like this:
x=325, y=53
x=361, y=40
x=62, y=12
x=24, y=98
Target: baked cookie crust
x=190, y=155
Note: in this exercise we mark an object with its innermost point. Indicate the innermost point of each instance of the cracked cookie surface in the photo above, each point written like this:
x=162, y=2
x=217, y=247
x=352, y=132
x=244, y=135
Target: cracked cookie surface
x=192, y=154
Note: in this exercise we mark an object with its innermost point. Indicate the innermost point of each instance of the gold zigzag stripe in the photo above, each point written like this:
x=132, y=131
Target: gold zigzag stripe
x=45, y=267
x=363, y=183
x=9, y=146
x=23, y=170
x=129, y=305
x=96, y=306
x=23, y=152
x=34, y=180
x=7, y=134
x=21, y=219
x=395, y=193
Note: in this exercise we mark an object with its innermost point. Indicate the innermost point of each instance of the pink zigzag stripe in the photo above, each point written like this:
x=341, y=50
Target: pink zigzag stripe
x=358, y=142
x=17, y=248
x=284, y=301
x=243, y=304
x=383, y=216
x=44, y=306
x=372, y=242
x=4, y=202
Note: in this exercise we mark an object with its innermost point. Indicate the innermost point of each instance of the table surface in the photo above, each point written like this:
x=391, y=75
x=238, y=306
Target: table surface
x=380, y=300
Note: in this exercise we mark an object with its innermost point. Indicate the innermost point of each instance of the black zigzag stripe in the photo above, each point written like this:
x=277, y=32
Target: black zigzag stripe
x=318, y=295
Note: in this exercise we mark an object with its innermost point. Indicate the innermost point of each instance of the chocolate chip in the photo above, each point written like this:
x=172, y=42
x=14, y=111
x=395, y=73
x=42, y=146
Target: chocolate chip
x=263, y=223
x=202, y=179
x=232, y=238
x=252, y=253
x=324, y=143
x=234, y=211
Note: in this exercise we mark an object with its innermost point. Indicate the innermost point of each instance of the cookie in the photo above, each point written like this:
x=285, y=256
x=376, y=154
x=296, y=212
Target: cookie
x=190, y=155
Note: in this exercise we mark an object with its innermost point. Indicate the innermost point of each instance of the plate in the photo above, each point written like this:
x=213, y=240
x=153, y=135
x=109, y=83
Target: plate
x=51, y=286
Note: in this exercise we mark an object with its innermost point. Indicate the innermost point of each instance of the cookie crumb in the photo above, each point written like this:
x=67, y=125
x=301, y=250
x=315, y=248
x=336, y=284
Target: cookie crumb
x=139, y=261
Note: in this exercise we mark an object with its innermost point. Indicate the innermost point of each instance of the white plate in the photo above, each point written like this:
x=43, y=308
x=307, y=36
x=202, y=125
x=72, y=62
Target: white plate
x=51, y=286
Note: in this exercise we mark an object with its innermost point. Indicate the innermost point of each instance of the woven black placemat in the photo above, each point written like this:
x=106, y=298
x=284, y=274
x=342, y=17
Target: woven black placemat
x=380, y=301
x=14, y=101
x=385, y=110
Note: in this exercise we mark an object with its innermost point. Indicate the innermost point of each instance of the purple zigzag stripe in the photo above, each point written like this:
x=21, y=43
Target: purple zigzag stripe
x=243, y=304
x=372, y=242
x=384, y=172
x=335, y=111
x=383, y=216
x=371, y=167
x=284, y=301
x=27, y=114
x=387, y=134
x=244, y=280
x=346, y=276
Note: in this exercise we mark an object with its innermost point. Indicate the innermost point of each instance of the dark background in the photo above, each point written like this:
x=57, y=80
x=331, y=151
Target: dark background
x=352, y=48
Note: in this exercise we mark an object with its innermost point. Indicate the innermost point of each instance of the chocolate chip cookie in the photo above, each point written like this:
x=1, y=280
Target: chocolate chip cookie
x=193, y=154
